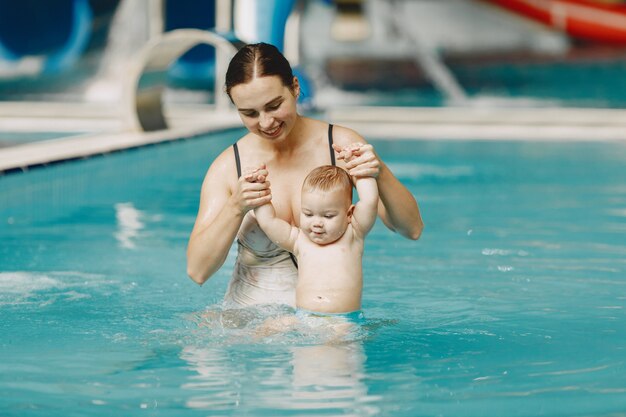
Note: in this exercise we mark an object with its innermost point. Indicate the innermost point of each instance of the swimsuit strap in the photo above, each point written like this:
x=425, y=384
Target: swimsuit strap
x=330, y=144
x=237, y=160
x=293, y=259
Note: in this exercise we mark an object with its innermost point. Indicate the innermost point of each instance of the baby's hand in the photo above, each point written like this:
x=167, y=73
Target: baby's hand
x=361, y=160
x=255, y=174
x=348, y=153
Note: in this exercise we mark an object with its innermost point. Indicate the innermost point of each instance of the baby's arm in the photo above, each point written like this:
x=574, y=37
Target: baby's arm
x=279, y=231
x=366, y=209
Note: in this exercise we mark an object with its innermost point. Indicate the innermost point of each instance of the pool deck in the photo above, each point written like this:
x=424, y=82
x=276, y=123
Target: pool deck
x=482, y=123
x=103, y=129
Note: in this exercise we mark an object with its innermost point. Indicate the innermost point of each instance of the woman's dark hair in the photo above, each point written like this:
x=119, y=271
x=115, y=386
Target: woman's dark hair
x=258, y=60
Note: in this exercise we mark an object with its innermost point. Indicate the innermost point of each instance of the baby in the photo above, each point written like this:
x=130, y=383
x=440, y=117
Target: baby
x=329, y=243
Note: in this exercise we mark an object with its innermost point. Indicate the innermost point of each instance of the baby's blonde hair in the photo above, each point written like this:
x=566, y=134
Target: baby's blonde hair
x=327, y=178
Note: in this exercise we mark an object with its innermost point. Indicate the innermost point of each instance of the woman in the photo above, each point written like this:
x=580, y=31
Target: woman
x=261, y=85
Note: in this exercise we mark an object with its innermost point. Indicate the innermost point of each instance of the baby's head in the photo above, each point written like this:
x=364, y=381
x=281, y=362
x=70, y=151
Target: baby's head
x=326, y=205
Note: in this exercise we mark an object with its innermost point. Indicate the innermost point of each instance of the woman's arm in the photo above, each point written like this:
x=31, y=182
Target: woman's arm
x=397, y=208
x=221, y=211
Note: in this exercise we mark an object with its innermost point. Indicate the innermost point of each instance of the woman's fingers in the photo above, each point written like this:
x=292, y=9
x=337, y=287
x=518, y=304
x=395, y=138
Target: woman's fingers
x=365, y=165
x=360, y=159
x=365, y=158
x=258, y=198
x=361, y=172
x=262, y=199
x=254, y=189
x=256, y=193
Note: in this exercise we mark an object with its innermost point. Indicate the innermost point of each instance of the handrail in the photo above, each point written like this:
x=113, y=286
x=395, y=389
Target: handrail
x=148, y=75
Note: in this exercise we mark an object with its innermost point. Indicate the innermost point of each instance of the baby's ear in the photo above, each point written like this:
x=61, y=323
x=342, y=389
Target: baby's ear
x=351, y=210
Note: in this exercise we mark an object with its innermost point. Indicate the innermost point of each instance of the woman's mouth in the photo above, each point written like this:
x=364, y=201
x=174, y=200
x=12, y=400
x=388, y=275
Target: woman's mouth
x=273, y=132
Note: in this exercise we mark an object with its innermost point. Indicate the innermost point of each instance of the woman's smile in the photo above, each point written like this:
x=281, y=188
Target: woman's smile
x=274, y=132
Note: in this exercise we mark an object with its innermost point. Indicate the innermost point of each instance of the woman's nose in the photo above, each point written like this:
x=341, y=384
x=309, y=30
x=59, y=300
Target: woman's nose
x=265, y=120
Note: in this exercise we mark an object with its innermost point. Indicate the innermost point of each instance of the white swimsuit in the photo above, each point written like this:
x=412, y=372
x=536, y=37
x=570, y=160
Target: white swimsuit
x=263, y=273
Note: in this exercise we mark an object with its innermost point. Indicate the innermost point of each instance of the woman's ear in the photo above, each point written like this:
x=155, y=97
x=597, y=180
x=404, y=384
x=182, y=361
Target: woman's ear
x=295, y=87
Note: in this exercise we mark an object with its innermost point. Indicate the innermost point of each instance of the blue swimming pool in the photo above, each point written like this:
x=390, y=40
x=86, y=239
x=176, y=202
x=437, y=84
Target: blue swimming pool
x=513, y=303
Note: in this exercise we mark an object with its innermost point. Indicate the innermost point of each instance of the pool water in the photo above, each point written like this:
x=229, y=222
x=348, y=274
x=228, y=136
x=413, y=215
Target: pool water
x=513, y=302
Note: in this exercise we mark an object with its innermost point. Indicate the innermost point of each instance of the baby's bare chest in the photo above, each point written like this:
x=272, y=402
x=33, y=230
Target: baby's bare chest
x=345, y=251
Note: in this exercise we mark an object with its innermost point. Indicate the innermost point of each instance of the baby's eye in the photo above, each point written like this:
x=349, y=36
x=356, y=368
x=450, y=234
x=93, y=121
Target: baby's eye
x=307, y=214
x=329, y=216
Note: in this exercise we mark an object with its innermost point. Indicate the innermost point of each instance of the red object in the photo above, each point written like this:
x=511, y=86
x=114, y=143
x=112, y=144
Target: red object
x=581, y=19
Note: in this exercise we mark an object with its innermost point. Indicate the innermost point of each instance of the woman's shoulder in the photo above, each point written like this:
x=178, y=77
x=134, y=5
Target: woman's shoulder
x=224, y=164
x=341, y=135
x=246, y=139
x=344, y=136
x=227, y=157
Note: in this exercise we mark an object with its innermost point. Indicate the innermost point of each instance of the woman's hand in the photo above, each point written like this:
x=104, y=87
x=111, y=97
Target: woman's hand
x=360, y=159
x=253, y=189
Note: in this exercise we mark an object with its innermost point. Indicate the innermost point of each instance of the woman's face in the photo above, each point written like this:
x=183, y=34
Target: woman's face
x=267, y=108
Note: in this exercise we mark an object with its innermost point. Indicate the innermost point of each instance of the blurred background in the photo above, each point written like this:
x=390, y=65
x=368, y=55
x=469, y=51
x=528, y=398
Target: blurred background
x=78, y=60
x=511, y=303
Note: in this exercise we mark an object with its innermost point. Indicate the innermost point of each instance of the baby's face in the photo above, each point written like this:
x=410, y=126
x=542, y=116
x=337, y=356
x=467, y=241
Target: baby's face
x=325, y=215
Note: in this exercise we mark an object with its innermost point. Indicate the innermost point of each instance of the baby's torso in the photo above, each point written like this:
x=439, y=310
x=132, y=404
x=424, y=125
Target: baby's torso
x=330, y=277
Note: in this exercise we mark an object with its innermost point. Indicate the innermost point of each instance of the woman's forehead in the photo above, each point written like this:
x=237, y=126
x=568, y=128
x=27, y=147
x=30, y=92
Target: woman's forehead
x=259, y=90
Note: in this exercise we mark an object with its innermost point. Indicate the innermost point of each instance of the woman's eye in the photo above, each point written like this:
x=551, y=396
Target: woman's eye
x=273, y=108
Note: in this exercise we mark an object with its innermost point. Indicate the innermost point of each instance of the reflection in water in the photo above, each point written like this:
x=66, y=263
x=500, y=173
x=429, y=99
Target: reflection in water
x=128, y=224
x=293, y=371
x=216, y=387
x=329, y=377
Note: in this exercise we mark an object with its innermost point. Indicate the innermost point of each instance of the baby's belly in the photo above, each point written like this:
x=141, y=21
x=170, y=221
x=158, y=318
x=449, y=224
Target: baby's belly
x=328, y=299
